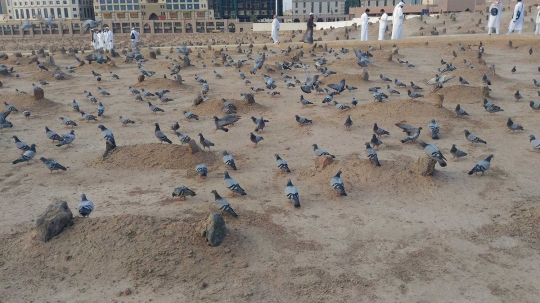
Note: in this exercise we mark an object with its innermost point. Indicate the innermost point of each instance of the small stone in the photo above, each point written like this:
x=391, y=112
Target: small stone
x=323, y=161
x=225, y=265
x=227, y=250
x=127, y=292
x=204, y=285
x=245, y=265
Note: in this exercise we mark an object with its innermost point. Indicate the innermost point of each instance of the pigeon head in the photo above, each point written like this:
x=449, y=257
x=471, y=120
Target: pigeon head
x=423, y=144
x=453, y=145
x=315, y=146
x=489, y=157
x=225, y=153
x=33, y=147
x=216, y=195
x=200, y=135
x=83, y=197
x=466, y=131
x=374, y=136
x=532, y=137
x=432, y=120
x=47, y=129
x=289, y=183
x=227, y=175
x=150, y=104
x=102, y=127
x=72, y=132
x=43, y=159
x=367, y=145
x=216, y=118
x=338, y=174
x=420, y=128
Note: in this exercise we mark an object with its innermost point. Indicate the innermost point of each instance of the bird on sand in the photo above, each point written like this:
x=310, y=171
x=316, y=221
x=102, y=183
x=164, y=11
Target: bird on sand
x=482, y=166
x=433, y=152
x=321, y=152
x=372, y=155
x=223, y=205
x=52, y=165
x=160, y=135
x=282, y=164
x=27, y=155
x=204, y=142
x=228, y=160
x=232, y=185
x=337, y=184
x=85, y=207
x=291, y=192
x=183, y=192
x=456, y=153
x=255, y=139
x=202, y=170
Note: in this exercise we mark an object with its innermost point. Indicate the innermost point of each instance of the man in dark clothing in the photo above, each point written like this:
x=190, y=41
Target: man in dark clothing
x=309, y=33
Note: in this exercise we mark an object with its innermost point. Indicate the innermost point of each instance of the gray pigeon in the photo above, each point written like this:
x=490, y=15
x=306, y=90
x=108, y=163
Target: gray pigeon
x=10, y=107
x=291, y=192
x=534, y=142
x=182, y=192
x=282, y=164
x=125, y=121
x=375, y=141
x=225, y=121
x=154, y=108
x=52, y=165
x=68, y=122
x=372, y=155
x=321, y=152
x=160, y=135
x=27, y=155
x=52, y=135
x=228, y=160
x=456, y=153
x=348, y=123
x=482, y=166
x=303, y=121
x=85, y=207
x=517, y=95
x=460, y=111
x=88, y=117
x=413, y=136
x=223, y=205
x=260, y=122
x=204, y=142
x=472, y=138
x=434, y=153
x=379, y=131
x=184, y=139
x=434, y=127
x=534, y=106
x=232, y=185
x=22, y=146
x=513, y=126
x=255, y=139
x=190, y=116
x=68, y=138
x=202, y=170
x=337, y=184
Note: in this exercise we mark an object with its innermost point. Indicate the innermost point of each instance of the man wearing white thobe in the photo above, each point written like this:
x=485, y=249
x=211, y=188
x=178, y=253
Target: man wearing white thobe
x=99, y=40
x=397, y=21
x=109, y=39
x=275, y=30
x=383, y=22
x=364, y=22
x=134, y=37
x=495, y=11
x=93, y=42
x=537, y=31
x=516, y=24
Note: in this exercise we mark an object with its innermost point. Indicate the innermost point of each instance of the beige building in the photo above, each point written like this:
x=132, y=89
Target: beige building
x=60, y=9
x=152, y=9
x=318, y=7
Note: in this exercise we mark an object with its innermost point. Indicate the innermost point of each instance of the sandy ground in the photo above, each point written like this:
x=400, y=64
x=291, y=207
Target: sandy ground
x=396, y=237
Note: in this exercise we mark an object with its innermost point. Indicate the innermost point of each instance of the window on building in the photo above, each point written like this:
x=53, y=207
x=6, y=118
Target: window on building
x=327, y=7
x=320, y=7
x=130, y=7
x=16, y=14
x=15, y=3
x=117, y=7
x=103, y=7
x=136, y=7
x=175, y=6
x=122, y=1
x=65, y=1
x=195, y=6
x=59, y=12
x=39, y=11
x=66, y=12
x=102, y=1
x=135, y=1
x=122, y=7
x=182, y=6
x=45, y=13
x=74, y=15
x=189, y=6
x=74, y=9
x=109, y=7
x=109, y=1
x=116, y=1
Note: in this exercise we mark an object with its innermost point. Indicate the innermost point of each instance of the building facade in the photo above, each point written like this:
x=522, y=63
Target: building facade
x=152, y=9
x=318, y=7
x=60, y=9
x=246, y=10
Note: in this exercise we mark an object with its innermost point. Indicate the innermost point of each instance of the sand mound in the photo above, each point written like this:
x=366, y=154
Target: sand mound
x=415, y=110
x=463, y=94
x=96, y=67
x=155, y=156
x=157, y=82
x=214, y=107
x=47, y=76
x=360, y=173
x=22, y=102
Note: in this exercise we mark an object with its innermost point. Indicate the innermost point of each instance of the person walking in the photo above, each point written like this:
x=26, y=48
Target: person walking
x=537, y=31
x=397, y=21
x=383, y=22
x=308, y=38
x=109, y=39
x=364, y=22
x=495, y=11
x=275, y=30
x=517, y=18
x=134, y=37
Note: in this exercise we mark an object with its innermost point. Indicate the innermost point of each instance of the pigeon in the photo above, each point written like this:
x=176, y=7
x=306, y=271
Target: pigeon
x=384, y=78
x=160, y=135
x=184, y=139
x=204, y=142
x=513, y=70
x=20, y=145
x=472, y=138
x=26, y=114
x=372, y=155
x=392, y=91
x=321, y=152
x=456, y=153
x=218, y=75
x=10, y=107
x=305, y=101
x=115, y=76
x=190, y=116
x=463, y=81
x=490, y=107
x=399, y=83
x=146, y=93
x=337, y=184
x=183, y=192
x=350, y=87
x=409, y=64
x=534, y=106
x=154, y=108
x=413, y=136
x=517, y=95
x=228, y=104
x=282, y=164
x=341, y=106
x=292, y=193
x=482, y=166
x=486, y=80
x=375, y=141
x=228, y=160
x=5, y=124
x=91, y=98
x=103, y=92
x=530, y=51
x=125, y=121
x=133, y=90
x=414, y=95
x=354, y=101
x=75, y=105
x=534, y=142
x=340, y=87
x=260, y=122
x=68, y=138
x=27, y=155
x=434, y=153
x=95, y=74
x=52, y=165
x=175, y=126
x=41, y=67
x=52, y=135
x=202, y=170
x=536, y=83
x=460, y=111
x=88, y=117
x=223, y=205
x=513, y=126
x=85, y=207
x=415, y=87
x=379, y=131
x=255, y=139
x=328, y=99
x=138, y=97
x=232, y=185
x=434, y=127
x=348, y=122
x=101, y=109
x=20, y=92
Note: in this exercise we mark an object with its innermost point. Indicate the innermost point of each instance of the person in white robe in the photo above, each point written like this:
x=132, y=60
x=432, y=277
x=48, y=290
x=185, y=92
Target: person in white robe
x=383, y=22
x=93, y=36
x=134, y=35
x=364, y=22
x=109, y=43
x=397, y=21
x=495, y=11
x=537, y=31
x=516, y=24
x=275, y=30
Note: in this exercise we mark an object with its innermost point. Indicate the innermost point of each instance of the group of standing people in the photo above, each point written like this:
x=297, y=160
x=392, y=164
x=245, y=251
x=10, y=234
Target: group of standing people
x=102, y=39
x=516, y=24
x=397, y=23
